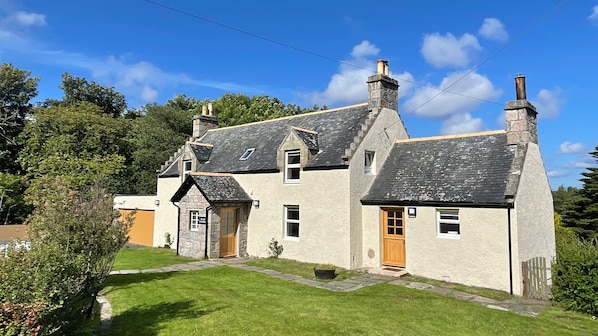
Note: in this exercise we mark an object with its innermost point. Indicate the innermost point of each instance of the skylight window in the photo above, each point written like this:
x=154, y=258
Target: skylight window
x=247, y=154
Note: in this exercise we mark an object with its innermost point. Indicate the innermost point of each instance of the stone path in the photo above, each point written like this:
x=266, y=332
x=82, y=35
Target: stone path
x=518, y=305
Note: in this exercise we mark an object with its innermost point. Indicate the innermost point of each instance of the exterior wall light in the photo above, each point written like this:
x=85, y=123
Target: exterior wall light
x=412, y=212
x=157, y=202
x=256, y=203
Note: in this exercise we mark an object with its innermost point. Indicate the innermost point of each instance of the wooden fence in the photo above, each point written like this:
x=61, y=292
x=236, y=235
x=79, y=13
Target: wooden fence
x=536, y=273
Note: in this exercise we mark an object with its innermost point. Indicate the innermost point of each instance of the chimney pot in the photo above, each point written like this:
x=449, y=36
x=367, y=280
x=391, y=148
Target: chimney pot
x=210, y=111
x=204, y=110
x=520, y=87
x=386, y=71
x=380, y=67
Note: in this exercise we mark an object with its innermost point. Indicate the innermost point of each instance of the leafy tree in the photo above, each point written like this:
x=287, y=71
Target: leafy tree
x=75, y=236
x=79, y=142
x=155, y=136
x=17, y=88
x=581, y=211
x=13, y=209
x=77, y=90
x=561, y=195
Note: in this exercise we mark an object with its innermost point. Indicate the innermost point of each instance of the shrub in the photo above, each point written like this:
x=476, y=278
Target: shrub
x=575, y=274
x=275, y=248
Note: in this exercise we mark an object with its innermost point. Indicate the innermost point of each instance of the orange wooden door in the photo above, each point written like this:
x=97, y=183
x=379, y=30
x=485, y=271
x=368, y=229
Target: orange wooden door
x=228, y=232
x=393, y=237
x=142, y=230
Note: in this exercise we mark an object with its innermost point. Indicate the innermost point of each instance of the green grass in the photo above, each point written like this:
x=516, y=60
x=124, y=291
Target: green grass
x=229, y=301
x=301, y=269
x=485, y=292
x=149, y=257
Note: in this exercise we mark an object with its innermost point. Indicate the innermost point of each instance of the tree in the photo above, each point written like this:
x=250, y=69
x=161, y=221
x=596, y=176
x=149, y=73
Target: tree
x=581, y=211
x=17, y=88
x=561, y=195
x=75, y=236
x=79, y=142
x=77, y=90
x=156, y=136
x=13, y=209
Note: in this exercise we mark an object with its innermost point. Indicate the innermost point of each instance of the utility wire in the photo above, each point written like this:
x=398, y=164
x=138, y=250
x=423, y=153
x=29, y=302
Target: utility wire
x=306, y=51
x=501, y=49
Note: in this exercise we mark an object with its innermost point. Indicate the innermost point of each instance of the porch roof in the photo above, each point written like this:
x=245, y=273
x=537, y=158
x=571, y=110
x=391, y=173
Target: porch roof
x=216, y=188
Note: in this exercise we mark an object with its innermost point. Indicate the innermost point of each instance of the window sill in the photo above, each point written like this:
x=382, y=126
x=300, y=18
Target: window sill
x=291, y=238
x=448, y=236
x=291, y=181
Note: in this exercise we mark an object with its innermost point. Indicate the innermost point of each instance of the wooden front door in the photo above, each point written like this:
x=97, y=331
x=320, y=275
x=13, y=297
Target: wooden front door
x=228, y=232
x=393, y=237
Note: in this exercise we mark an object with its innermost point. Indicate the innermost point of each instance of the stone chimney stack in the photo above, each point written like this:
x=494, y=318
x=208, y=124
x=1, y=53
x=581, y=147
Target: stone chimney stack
x=383, y=91
x=521, y=117
x=204, y=122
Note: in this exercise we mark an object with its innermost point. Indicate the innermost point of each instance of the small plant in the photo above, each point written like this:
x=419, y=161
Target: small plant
x=275, y=248
x=168, y=239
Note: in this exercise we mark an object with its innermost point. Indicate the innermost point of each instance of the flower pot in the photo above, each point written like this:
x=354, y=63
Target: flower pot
x=325, y=273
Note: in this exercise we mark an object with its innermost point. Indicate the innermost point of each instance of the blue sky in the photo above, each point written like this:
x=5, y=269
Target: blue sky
x=321, y=52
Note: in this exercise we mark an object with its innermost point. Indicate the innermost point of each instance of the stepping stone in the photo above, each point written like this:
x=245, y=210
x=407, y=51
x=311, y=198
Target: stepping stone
x=484, y=301
x=130, y=272
x=151, y=270
x=497, y=307
x=419, y=285
x=309, y=282
x=399, y=282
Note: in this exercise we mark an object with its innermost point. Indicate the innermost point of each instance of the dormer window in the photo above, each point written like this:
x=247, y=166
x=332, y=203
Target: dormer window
x=186, y=168
x=247, y=154
x=292, y=166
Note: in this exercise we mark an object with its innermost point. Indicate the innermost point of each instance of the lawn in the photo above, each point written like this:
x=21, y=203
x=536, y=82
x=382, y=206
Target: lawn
x=230, y=301
x=301, y=269
x=148, y=257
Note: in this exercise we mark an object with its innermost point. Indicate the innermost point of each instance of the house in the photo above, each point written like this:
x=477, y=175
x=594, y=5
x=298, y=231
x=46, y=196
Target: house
x=348, y=187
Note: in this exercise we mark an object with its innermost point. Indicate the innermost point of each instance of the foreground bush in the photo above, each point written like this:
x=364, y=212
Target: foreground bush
x=575, y=274
x=51, y=288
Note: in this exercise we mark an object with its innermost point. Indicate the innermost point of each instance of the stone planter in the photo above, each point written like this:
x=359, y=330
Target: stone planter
x=325, y=273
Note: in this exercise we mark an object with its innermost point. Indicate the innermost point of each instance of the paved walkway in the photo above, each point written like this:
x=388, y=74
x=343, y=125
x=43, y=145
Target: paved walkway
x=518, y=305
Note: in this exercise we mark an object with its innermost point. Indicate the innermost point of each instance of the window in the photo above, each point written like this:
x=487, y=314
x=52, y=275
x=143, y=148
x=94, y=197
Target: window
x=194, y=220
x=291, y=226
x=292, y=166
x=368, y=166
x=247, y=154
x=448, y=222
x=186, y=168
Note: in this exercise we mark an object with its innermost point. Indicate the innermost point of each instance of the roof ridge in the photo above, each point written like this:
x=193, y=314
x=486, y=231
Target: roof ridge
x=452, y=136
x=200, y=144
x=303, y=130
x=288, y=117
x=209, y=174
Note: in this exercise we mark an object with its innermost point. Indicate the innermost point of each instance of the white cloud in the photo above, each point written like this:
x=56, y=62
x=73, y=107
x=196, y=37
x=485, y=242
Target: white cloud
x=28, y=19
x=493, y=29
x=549, y=102
x=557, y=173
x=461, y=123
x=568, y=147
x=148, y=94
x=426, y=102
x=347, y=86
x=584, y=161
x=594, y=16
x=448, y=51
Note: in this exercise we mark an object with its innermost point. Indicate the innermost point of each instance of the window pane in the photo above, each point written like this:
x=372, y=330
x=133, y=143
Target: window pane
x=449, y=228
x=293, y=174
x=399, y=223
x=391, y=222
x=400, y=231
x=293, y=158
x=391, y=230
x=293, y=229
x=187, y=165
x=293, y=213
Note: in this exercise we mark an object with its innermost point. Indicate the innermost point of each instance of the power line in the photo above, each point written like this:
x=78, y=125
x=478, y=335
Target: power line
x=286, y=45
x=525, y=31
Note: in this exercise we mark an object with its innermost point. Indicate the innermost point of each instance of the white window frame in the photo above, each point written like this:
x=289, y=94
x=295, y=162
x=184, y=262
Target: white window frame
x=439, y=221
x=288, y=166
x=194, y=216
x=288, y=221
x=186, y=171
x=369, y=164
x=247, y=154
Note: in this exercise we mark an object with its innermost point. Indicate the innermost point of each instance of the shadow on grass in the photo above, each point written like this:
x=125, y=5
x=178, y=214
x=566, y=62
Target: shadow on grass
x=150, y=320
x=117, y=281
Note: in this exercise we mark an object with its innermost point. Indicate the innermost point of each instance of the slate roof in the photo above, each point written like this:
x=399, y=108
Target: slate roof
x=465, y=170
x=336, y=130
x=201, y=151
x=172, y=170
x=310, y=139
x=215, y=188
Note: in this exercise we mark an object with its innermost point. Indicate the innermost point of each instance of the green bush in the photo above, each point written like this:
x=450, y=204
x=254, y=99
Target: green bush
x=575, y=274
